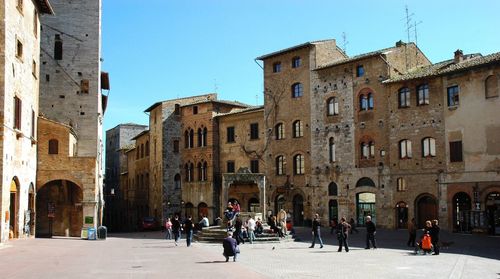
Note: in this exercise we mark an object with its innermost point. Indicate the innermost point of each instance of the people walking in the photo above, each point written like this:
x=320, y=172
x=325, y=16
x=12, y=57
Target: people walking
x=434, y=232
x=352, y=223
x=237, y=230
x=343, y=229
x=412, y=232
x=371, y=230
x=176, y=229
x=251, y=224
x=230, y=246
x=188, y=228
x=168, y=229
x=316, y=232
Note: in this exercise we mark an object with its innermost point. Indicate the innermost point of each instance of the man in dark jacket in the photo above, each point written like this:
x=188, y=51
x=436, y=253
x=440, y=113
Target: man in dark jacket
x=370, y=233
x=176, y=229
x=188, y=227
x=434, y=232
x=343, y=229
x=316, y=231
x=230, y=247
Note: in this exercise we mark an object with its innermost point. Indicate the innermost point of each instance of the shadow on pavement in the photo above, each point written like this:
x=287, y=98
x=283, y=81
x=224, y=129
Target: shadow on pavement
x=209, y=262
x=463, y=244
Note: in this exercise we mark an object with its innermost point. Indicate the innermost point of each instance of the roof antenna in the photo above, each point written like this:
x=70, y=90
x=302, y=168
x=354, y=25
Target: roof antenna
x=256, y=99
x=416, y=40
x=344, y=42
x=215, y=86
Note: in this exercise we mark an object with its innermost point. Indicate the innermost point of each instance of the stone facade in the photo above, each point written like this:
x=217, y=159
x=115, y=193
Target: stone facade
x=70, y=82
x=20, y=51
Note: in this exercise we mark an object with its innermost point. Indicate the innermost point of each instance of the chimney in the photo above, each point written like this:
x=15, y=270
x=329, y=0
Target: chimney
x=459, y=56
x=400, y=43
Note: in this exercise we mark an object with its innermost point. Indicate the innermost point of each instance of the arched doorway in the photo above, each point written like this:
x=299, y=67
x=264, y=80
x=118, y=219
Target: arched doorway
x=253, y=205
x=426, y=208
x=244, y=193
x=202, y=210
x=493, y=212
x=279, y=204
x=14, y=208
x=365, y=206
x=30, y=213
x=333, y=210
x=402, y=215
x=461, y=209
x=298, y=210
x=59, y=209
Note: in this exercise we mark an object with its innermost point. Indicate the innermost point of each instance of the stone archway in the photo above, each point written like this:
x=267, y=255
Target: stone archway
x=14, y=208
x=59, y=209
x=256, y=184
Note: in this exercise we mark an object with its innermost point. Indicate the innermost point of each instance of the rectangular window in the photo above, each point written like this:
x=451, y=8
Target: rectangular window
x=230, y=134
x=33, y=69
x=254, y=131
x=453, y=99
x=456, y=151
x=277, y=67
x=360, y=71
x=19, y=49
x=254, y=166
x=296, y=62
x=423, y=94
x=33, y=124
x=195, y=110
x=230, y=166
x=58, y=47
x=35, y=23
x=17, y=113
x=84, y=86
x=176, y=146
x=19, y=6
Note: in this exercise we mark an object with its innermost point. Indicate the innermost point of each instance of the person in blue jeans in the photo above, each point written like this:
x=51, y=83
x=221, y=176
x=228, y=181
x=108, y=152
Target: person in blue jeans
x=176, y=229
x=316, y=232
x=188, y=228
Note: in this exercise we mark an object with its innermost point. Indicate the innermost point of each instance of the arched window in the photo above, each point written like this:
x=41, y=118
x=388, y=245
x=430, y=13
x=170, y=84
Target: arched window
x=280, y=165
x=186, y=139
x=200, y=172
x=191, y=138
x=401, y=184
x=404, y=97
x=405, y=149
x=367, y=149
x=204, y=141
x=177, y=181
x=332, y=106
x=297, y=129
x=53, y=146
x=365, y=181
x=331, y=150
x=204, y=171
x=428, y=147
x=423, y=94
x=370, y=101
x=297, y=90
x=332, y=189
x=188, y=168
x=279, y=131
x=200, y=137
x=299, y=164
x=147, y=148
x=191, y=172
x=491, y=86
x=363, y=102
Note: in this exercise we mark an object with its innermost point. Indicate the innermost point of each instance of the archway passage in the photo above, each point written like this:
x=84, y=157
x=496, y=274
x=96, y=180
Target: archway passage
x=298, y=210
x=14, y=209
x=402, y=215
x=247, y=195
x=365, y=206
x=333, y=210
x=461, y=211
x=493, y=212
x=29, y=219
x=59, y=209
x=426, y=207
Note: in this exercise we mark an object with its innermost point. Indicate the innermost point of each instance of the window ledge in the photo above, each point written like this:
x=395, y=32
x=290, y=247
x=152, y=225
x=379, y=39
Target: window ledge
x=19, y=133
x=33, y=141
x=453, y=107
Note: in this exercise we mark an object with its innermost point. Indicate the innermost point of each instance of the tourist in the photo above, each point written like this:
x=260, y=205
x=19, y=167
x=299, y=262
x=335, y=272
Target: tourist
x=251, y=224
x=259, y=227
x=188, y=227
x=371, y=231
x=434, y=232
x=238, y=224
x=333, y=225
x=343, y=229
x=412, y=232
x=352, y=223
x=236, y=207
x=176, y=229
x=316, y=232
x=230, y=246
x=204, y=222
x=168, y=229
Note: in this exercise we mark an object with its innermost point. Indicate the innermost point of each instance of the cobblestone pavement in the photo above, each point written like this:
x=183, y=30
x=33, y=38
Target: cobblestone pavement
x=147, y=255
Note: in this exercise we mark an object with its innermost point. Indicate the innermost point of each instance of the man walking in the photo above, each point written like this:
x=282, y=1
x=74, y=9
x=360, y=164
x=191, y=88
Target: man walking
x=250, y=229
x=343, y=229
x=176, y=229
x=434, y=232
x=188, y=227
x=412, y=231
x=316, y=231
x=370, y=233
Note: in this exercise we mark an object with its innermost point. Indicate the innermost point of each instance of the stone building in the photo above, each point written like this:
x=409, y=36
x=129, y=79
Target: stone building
x=20, y=52
x=242, y=137
x=118, y=139
x=287, y=114
x=463, y=161
x=199, y=151
x=351, y=127
x=71, y=84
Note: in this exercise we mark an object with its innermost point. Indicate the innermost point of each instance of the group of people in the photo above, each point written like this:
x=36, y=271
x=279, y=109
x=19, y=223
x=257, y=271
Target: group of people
x=343, y=228
x=174, y=228
x=431, y=230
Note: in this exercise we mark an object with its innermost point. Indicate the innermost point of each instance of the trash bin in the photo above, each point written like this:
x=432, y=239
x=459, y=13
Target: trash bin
x=91, y=234
x=102, y=232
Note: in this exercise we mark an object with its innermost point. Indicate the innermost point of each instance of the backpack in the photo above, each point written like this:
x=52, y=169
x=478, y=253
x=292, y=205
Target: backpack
x=426, y=242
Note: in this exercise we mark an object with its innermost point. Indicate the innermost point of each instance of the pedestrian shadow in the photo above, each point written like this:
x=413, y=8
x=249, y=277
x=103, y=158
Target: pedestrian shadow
x=210, y=262
x=323, y=252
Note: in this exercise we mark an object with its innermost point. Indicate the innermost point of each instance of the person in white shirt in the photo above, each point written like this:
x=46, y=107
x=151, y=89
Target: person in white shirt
x=251, y=229
x=204, y=222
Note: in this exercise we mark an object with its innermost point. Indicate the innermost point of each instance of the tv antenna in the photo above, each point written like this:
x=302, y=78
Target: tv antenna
x=215, y=86
x=344, y=42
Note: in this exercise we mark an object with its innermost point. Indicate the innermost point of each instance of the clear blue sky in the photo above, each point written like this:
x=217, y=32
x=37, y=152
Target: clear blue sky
x=163, y=49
